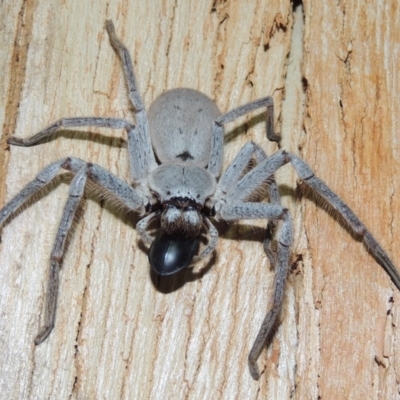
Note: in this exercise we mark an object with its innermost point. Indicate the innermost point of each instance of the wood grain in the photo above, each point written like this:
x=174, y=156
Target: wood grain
x=333, y=72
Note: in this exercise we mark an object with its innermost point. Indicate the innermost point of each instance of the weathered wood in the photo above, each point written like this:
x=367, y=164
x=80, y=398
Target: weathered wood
x=119, y=336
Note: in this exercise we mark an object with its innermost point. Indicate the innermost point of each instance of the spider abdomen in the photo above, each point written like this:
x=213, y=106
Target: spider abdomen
x=183, y=117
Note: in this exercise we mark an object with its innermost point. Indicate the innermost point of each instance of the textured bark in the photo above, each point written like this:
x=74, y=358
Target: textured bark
x=333, y=72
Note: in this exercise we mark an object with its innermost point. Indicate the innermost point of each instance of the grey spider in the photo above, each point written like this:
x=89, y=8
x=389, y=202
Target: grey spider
x=176, y=153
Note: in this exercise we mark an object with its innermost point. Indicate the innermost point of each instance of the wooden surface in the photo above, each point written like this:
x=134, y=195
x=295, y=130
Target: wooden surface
x=333, y=72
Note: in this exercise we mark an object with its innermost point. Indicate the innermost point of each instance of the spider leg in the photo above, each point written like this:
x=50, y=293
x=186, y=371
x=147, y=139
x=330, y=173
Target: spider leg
x=285, y=237
x=252, y=180
x=75, y=195
x=216, y=154
x=113, y=123
x=234, y=208
x=212, y=243
x=142, y=158
x=142, y=225
x=146, y=155
x=116, y=187
x=281, y=267
x=41, y=180
x=136, y=145
x=274, y=198
x=371, y=244
x=237, y=167
x=254, y=105
x=125, y=57
x=236, y=170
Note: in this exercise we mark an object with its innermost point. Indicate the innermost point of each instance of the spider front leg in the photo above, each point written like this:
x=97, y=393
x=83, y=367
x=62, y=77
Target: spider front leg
x=252, y=180
x=146, y=152
x=235, y=171
x=111, y=184
x=285, y=237
x=244, y=189
x=75, y=195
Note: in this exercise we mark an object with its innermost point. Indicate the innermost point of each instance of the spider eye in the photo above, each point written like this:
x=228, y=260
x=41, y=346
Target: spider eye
x=171, y=253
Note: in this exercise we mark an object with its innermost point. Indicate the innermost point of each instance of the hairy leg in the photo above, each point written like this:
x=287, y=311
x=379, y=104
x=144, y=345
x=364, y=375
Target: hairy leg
x=142, y=136
x=217, y=145
x=113, y=123
x=254, y=178
x=285, y=237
